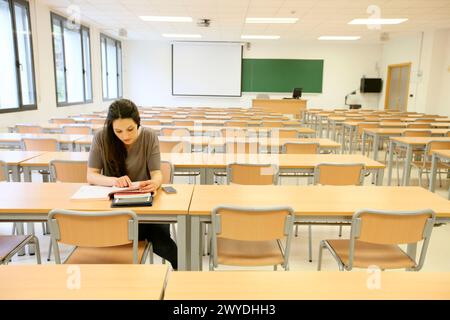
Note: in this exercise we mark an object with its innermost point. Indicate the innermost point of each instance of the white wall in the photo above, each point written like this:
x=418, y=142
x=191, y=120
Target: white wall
x=44, y=74
x=429, y=54
x=147, y=73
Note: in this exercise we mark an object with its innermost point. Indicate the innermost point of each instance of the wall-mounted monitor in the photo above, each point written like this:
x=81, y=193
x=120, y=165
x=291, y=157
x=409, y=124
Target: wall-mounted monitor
x=371, y=85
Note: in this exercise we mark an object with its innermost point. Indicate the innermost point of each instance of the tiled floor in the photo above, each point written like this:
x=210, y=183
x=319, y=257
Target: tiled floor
x=438, y=257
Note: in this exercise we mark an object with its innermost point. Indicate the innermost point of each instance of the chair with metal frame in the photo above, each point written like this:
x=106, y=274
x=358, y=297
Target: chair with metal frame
x=12, y=244
x=77, y=129
x=299, y=148
x=251, y=236
x=375, y=238
x=334, y=174
x=40, y=144
x=68, y=171
x=99, y=237
x=252, y=174
x=424, y=166
x=28, y=128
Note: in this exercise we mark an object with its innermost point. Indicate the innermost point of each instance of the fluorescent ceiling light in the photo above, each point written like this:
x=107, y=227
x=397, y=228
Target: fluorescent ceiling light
x=339, y=37
x=247, y=36
x=271, y=20
x=377, y=21
x=177, y=35
x=166, y=19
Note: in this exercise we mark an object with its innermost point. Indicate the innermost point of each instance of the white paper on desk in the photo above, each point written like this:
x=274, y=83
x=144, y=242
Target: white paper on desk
x=98, y=192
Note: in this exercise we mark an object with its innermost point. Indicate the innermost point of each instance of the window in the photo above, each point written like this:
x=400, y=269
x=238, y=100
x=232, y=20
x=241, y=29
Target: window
x=72, y=60
x=111, y=68
x=17, y=85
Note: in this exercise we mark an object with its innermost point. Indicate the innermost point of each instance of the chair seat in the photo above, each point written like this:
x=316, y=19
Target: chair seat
x=368, y=254
x=106, y=255
x=248, y=253
x=9, y=243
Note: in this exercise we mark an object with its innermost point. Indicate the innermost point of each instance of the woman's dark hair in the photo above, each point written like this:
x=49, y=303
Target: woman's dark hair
x=115, y=152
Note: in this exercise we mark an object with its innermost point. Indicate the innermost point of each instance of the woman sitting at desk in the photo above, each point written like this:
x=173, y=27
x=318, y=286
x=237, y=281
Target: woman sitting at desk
x=123, y=152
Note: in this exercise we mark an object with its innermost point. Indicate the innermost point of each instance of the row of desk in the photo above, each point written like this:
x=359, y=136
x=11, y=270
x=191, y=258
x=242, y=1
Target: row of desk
x=205, y=163
x=192, y=205
x=155, y=282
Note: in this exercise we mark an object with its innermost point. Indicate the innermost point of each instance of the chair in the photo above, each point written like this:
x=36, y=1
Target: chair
x=252, y=174
x=40, y=144
x=418, y=125
x=175, y=132
x=174, y=146
x=4, y=174
x=278, y=124
x=375, y=236
x=301, y=148
x=150, y=122
x=233, y=133
x=239, y=147
x=285, y=133
x=360, y=130
x=400, y=153
x=184, y=123
x=99, y=237
x=251, y=236
x=77, y=129
x=448, y=134
x=424, y=166
x=10, y=245
x=334, y=174
x=27, y=128
x=68, y=171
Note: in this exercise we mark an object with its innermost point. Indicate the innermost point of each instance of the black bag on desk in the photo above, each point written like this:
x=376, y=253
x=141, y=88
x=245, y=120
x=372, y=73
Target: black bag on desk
x=132, y=202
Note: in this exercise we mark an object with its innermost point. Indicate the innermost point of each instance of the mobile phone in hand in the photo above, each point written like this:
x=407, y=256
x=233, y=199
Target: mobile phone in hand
x=169, y=189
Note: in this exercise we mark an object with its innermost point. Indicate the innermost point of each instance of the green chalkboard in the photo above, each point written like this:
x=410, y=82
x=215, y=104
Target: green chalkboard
x=281, y=75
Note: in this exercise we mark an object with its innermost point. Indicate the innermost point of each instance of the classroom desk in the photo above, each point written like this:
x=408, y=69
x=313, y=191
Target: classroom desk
x=438, y=155
x=14, y=139
x=14, y=158
x=207, y=164
x=316, y=203
x=409, y=143
x=29, y=202
x=96, y=282
x=298, y=285
x=42, y=161
x=273, y=145
x=378, y=133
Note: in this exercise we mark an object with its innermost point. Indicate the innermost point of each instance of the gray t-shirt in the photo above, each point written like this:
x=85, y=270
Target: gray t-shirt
x=142, y=157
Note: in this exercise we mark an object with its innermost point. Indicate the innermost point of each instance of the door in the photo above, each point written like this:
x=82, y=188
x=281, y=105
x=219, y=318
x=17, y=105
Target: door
x=397, y=87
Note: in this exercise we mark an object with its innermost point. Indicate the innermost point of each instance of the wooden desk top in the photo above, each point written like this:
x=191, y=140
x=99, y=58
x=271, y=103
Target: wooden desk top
x=102, y=282
x=442, y=153
x=16, y=157
x=40, y=198
x=297, y=285
x=418, y=141
x=63, y=138
x=45, y=158
x=318, y=200
x=387, y=131
x=324, y=143
x=296, y=161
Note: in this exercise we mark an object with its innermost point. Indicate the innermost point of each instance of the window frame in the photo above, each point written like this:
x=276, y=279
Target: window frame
x=119, y=74
x=62, y=20
x=21, y=107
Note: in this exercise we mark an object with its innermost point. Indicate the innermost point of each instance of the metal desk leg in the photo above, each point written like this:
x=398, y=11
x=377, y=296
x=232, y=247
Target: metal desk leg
x=343, y=139
x=411, y=250
x=363, y=144
x=15, y=173
x=390, y=164
x=30, y=230
x=27, y=174
x=434, y=161
x=183, y=238
x=407, y=168
x=380, y=176
x=20, y=231
x=196, y=257
x=376, y=143
x=350, y=142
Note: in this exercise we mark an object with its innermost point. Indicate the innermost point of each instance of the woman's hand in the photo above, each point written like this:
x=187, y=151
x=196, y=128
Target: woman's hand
x=123, y=182
x=148, y=186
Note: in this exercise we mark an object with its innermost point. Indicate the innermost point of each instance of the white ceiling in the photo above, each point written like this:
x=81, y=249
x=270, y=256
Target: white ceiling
x=316, y=17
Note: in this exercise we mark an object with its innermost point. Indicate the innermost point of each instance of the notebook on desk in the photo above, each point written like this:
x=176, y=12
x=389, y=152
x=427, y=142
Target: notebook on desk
x=89, y=192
